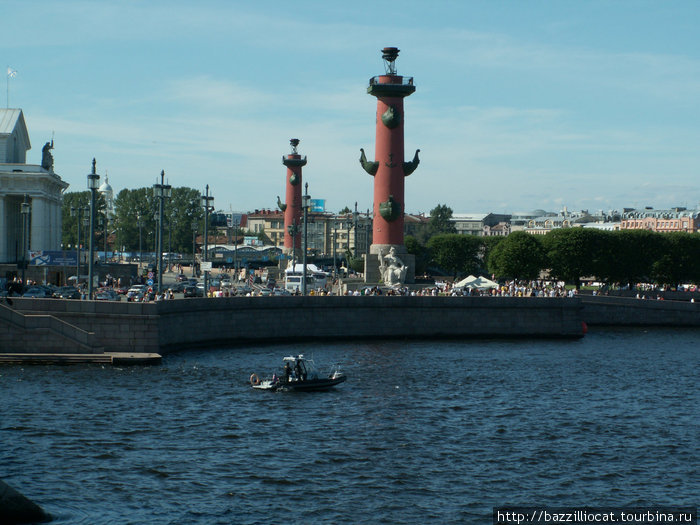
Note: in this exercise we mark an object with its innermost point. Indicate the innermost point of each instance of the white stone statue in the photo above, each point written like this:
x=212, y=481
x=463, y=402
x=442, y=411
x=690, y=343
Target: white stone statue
x=392, y=269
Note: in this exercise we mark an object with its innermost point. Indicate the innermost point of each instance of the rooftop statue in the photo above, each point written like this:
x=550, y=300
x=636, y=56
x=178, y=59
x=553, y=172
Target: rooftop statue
x=46, y=157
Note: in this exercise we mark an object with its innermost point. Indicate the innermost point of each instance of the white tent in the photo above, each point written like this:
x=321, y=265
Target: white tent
x=480, y=283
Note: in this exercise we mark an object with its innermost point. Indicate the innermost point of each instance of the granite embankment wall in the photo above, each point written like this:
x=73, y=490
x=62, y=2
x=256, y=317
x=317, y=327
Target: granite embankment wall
x=50, y=325
x=172, y=325
x=605, y=310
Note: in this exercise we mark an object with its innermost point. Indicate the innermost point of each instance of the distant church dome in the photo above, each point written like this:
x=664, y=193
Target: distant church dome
x=106, y=190
x=105, y=187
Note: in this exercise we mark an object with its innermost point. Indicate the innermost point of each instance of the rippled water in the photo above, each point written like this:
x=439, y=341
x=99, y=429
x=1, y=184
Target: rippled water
x=422, y=432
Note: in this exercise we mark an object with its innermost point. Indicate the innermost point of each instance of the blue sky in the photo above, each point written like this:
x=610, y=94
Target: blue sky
x=519, y=105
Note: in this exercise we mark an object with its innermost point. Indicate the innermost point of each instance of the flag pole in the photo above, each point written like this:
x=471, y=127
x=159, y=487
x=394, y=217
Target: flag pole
x=11, y=73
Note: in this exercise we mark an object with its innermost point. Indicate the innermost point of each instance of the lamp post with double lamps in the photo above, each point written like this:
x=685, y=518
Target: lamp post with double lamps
x=24, y=210
x=194, y=246
x=305, y=203
x=93, y=182
x=161, y=191
x=207, y=201
x=78, y=212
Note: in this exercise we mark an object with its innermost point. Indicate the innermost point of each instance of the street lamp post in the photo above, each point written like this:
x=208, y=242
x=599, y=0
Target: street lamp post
x=354, y=227
x=194, y=245
x=206, y=203
x=335, y=241
x=93, y=182
x=235, y=246
x=139, y=223
x=170, y=242
x=368, y=229
x=24, y=210
x=293, y=230
x=161, y=191
x=78, y=212
x=305, y=202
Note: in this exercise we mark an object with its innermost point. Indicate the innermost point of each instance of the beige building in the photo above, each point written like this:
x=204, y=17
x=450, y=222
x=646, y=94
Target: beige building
x=38, y=185
x=663, y=221
x=324, y=231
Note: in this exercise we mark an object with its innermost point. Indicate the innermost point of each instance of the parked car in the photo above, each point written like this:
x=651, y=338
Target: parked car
x=107, y=295
x=193, y=291
x=67, y=292
x=136, y=293
x=36, y=291
x=178, y=287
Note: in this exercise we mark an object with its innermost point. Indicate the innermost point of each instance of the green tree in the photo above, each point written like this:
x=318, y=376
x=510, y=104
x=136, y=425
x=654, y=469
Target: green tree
x=488, y=244
x=74, y=201
x=631, y=255
x=420, y=252
x=680, y=261
x=573, y=253
x=139, y=205
x=441, y=220
x=518, y=256
x=454, y=253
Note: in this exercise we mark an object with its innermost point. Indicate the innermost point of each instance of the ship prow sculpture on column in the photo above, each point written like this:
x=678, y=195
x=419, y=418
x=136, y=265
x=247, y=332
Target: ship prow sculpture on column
x=389, y=262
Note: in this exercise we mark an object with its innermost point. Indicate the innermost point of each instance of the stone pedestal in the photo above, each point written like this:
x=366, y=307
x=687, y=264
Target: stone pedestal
x=372, y=273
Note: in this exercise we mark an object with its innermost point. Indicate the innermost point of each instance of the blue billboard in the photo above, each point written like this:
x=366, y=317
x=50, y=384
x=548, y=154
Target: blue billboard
x=318, y=205
x=53, y=258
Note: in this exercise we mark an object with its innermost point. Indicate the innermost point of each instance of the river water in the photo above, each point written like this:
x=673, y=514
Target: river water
x=422, y=432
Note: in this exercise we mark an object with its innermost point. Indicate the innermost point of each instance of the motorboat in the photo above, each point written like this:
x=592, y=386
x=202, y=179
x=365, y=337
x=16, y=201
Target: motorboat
x=299, y=374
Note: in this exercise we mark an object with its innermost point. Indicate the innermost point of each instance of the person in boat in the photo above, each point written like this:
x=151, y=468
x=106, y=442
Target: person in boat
x=301, y=376
x=287, y=372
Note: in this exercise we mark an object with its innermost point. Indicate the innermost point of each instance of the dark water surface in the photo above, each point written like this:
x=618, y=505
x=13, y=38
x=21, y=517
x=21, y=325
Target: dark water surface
x=422, y=432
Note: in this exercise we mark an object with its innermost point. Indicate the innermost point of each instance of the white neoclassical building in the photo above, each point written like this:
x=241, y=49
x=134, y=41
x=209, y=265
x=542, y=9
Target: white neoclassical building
x=38, y=184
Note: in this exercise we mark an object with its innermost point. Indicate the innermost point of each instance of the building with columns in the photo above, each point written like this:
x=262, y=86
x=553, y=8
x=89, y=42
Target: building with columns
x=39, y=184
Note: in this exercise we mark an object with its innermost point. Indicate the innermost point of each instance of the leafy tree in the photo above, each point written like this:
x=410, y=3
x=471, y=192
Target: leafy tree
x=139, y=205
x=440, y=220
x=357, y=264
x=455, y=253
x=74, y=201
x=420, y=252
x=573, y=253
x=631, y=255
x=680, y=261
x=488, y=244
x=345, y=211
x=518, y=256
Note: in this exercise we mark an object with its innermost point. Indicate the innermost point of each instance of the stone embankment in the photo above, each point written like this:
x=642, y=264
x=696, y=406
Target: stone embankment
x=63, y=326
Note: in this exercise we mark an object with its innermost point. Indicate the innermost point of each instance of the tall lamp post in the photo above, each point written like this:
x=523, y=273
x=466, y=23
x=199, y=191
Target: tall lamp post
x=305, y=202
x=207, y=201
x=335, y=241
x=78, y=212
x=194, y=246
x=354, y=227
x=24, y=210
x=139, y=223
x=235, y=246
x=93, y=182
x=161, y=191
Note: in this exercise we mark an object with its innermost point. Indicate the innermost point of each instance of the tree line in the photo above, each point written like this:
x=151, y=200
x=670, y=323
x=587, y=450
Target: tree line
x=135, y=219
x=568, y=254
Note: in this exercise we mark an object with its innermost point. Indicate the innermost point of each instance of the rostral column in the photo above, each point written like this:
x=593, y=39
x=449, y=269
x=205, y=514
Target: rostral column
x=292, y=207
x=389, y=168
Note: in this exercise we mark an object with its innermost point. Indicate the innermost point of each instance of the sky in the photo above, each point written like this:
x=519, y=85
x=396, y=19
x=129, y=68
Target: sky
x=518, y=105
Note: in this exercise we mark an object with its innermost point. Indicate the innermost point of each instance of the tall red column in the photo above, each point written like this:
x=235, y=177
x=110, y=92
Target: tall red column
x=292, y=206
x=389, y=168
